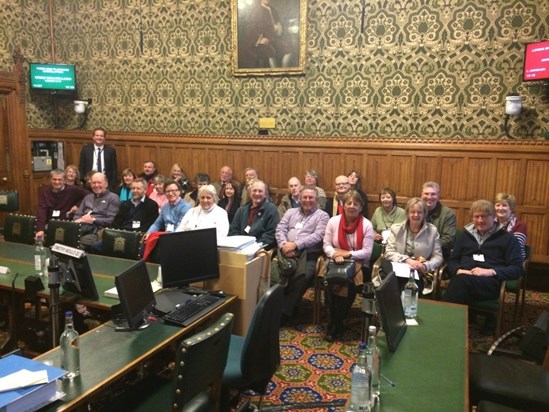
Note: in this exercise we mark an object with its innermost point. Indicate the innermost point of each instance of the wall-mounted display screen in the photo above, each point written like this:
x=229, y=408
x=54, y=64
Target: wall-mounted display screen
x=52, y=78
x=536, y=61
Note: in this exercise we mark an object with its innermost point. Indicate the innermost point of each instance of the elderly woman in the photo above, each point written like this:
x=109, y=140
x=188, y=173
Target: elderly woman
x=387, y=214
x=348, y=236
x=505, y=208
x=207, y=214
x=414, y=242
x=312, y=178
x=124, y=190
x=158, y=194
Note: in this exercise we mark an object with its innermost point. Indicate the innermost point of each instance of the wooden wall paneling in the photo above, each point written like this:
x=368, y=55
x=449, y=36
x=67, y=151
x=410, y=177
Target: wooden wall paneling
x=426, y=168
x=314, y=160
x=268, y=166
x=194, y=160
x=479, y=180
x=333, y=167
x=450, y=186
x=398, y=171
x=509, y=175
x=536, y=187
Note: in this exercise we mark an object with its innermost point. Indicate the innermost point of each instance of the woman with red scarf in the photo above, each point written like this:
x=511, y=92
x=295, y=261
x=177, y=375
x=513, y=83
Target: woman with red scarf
x=348, y=236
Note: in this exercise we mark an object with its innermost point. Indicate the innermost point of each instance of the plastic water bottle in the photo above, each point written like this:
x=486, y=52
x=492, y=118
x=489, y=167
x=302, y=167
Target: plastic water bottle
x=360, y=382
x=70, y=348
x=40, y=257
x=411, y=297
x=373, y=359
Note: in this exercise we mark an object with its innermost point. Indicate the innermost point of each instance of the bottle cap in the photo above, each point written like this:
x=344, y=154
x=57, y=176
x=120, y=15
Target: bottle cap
x=68, y=314
x=362, y=346
x=372, y=329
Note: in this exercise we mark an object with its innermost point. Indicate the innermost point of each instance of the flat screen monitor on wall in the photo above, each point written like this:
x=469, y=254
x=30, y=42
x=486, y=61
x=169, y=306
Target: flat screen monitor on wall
x=53, y=78
x=536, y=61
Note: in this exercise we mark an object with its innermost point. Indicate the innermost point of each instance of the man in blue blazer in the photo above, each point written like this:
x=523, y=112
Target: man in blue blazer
x=98, y=156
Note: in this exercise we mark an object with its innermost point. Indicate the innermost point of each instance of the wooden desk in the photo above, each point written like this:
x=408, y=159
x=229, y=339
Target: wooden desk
x=240, y=277
x=106, y=356
x=430, y=366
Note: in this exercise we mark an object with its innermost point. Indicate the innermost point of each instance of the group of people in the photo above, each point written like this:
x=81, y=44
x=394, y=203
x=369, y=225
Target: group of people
x=305, y=224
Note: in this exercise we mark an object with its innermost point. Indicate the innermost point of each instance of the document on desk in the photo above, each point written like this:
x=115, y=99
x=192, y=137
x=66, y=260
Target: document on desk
x=235, y=243
x=33, y=384
x=402, y=270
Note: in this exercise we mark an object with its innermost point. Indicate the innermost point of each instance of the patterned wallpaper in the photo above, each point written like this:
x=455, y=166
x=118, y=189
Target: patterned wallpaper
x=420, y=68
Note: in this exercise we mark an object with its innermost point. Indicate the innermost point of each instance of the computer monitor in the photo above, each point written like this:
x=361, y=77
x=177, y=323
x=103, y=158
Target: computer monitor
x=136, y=295
x=390, y=310
x=187, y=257
x=76, y=275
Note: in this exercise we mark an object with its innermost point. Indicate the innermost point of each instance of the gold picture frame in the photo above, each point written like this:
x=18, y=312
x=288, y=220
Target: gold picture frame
x=260, y=47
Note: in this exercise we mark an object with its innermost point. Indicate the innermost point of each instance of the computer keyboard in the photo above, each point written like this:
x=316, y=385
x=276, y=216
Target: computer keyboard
x=193, y=309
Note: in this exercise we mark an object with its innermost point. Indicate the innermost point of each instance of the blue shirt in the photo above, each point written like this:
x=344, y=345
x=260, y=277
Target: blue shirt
x=170, y=215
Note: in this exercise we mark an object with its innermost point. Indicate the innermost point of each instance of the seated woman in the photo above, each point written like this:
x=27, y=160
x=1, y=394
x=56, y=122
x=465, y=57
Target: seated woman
x=505, y=208
x=158, y=194
x=354, y=181
x=178, y=175
x=348, y=236
x=72, y=175
x=124, y=190
x=200, y=179
x=231, y=201
x=387, y=214
x=207, y=214
x=312, y=178
x=414, y=242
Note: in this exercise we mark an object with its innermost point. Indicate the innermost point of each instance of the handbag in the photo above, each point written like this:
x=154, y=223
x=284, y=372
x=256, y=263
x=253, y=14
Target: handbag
x=341, y=273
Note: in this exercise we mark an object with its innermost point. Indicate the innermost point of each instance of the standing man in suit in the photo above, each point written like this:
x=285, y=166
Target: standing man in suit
x=99, y=157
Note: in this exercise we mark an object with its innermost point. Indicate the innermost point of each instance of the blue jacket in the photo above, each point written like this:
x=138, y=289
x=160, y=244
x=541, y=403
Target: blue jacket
x=170, y=215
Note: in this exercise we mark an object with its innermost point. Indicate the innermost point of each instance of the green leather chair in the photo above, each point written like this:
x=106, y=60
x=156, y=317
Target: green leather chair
x=65, y=232
x=121, y=243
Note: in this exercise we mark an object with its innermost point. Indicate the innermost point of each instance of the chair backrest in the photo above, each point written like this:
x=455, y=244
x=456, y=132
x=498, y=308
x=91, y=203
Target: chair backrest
x=63, y=231
x=9, y=200
x=201, y=360
x=121, y=243
x=261, y=351
x=20, y=229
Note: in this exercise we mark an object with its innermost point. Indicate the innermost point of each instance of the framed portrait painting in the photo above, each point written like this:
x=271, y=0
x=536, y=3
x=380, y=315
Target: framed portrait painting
x=269, y=37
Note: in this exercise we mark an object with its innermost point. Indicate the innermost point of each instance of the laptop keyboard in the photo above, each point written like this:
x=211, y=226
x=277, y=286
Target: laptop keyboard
x=193, y=309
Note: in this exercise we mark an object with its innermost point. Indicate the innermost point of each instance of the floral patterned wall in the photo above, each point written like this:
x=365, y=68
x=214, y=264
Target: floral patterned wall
x=418, y=68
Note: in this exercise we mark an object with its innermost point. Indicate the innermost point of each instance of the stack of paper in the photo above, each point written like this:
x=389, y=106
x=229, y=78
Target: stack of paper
x=235, y=243
x=27, y=385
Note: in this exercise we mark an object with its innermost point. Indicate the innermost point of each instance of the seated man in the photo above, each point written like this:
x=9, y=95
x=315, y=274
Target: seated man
x=256, y=218
x=97, y=210
x=138, y=213
x=484, y=255
x=169, y=218
x=57, y=201
x=149, y=173
x=301, y=230
x=441, y=216
x=334, y=205
x=292, y=198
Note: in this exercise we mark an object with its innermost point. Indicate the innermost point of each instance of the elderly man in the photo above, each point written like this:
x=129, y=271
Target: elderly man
x=250, y=175
x=97, y=210
x=301, y=230
x=99, y=157
x=292, y=198
x=138, y=213
x=441, y=216
x=225, y=175
x=57, y=201
x=484, y=255
x=256, y=218
x=334, y=206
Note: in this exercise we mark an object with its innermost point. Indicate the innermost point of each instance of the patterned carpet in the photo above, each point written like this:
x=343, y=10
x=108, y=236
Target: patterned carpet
x=314, y=374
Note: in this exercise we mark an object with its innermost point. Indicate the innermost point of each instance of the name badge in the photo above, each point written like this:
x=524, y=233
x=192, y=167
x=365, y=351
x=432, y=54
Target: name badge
x=136, y=224
x=385, y=235
x=56, y=213
x=478, y=257
x=247, y=229
x=169, y=227
x=299, y=225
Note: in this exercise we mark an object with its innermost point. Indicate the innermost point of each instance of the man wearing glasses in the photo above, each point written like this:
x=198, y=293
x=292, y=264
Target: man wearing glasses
x=334, y=206
x=172, y=212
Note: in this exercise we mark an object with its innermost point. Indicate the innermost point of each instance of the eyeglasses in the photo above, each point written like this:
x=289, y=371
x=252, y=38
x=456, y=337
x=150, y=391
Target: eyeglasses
x=171, y=191
x=342, y=184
